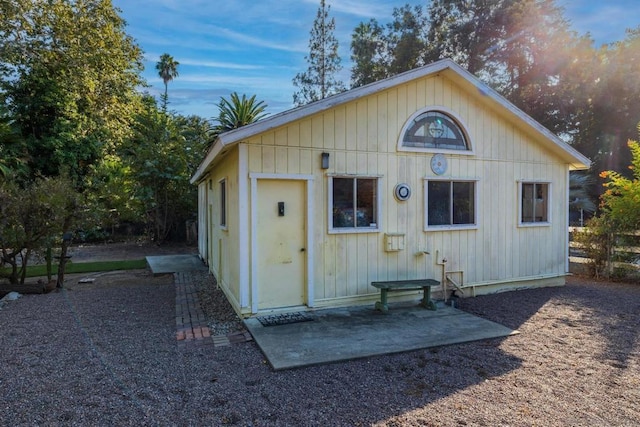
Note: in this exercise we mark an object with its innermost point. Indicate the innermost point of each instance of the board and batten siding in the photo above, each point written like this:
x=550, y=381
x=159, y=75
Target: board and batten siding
x=202, y=221
x=362, y=138
x=224, y=242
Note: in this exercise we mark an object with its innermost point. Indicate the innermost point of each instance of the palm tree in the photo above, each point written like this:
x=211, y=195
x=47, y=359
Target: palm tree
x=167, y=70
x=237, y=112
x=579, y=200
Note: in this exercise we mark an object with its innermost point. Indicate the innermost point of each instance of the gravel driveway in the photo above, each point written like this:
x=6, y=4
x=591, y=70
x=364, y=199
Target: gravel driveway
x=106, y=354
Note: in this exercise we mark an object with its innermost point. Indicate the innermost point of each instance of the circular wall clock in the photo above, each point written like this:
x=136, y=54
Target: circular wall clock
x=402, y=192
x=439, y=164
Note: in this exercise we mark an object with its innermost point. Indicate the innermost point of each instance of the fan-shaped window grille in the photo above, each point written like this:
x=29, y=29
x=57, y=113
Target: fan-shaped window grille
x=434, y=129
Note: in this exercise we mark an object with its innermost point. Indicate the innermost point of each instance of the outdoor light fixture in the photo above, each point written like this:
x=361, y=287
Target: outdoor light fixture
x=325, y=160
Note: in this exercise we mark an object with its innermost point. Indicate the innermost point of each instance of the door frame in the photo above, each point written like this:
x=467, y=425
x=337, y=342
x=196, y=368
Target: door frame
x=309, y=244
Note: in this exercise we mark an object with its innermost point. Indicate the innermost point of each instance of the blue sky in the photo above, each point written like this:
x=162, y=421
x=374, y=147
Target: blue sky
x=257, y=47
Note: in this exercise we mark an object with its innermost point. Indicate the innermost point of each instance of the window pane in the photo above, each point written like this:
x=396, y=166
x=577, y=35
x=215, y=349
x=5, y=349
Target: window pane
x=438, y=203
x=434, y=130
x=343, y=202
x=366, y=202
x=535, y=202
x=540, y=203
x=463, y=203
x=527, y=202
x=223, y=203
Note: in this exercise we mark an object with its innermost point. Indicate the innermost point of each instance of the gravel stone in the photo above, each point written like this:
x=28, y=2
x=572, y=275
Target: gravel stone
x=106, y=354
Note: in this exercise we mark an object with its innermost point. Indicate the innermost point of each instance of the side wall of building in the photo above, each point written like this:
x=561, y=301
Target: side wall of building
x=223, y=227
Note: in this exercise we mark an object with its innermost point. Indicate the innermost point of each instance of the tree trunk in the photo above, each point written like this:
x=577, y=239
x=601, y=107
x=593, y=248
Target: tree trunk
x=62, y=264
x=48, y=259
x=23, y=271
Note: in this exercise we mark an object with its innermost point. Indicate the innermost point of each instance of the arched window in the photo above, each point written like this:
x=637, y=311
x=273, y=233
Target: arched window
x=434, y=130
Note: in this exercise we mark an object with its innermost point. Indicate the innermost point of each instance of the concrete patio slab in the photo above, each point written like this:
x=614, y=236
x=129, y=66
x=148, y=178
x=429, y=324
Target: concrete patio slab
x=164, y=264
x=355, y=332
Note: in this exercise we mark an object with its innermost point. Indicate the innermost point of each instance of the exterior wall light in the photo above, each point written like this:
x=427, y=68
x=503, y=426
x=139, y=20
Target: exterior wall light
x=325, y=161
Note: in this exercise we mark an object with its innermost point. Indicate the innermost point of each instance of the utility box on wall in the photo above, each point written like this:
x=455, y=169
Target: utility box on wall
x=393, y=242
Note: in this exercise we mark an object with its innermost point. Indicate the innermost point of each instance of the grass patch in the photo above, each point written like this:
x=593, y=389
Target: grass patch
x=84, y=267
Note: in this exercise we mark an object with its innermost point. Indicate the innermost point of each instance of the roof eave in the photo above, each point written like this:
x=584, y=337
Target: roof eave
x=213, y=152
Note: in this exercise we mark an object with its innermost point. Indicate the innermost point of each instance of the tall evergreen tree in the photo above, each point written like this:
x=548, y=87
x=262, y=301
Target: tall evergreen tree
x=405, y=39
x=167, y=70
x=469, y=32
x=366, y=53
x=614, y=106
x=320, y=80
x=378, y=52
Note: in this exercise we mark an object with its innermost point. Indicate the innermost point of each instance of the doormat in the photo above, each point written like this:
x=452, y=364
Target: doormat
x=284, y=319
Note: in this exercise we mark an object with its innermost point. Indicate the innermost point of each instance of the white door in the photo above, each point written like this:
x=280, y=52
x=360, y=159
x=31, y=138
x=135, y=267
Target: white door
x=281, y=242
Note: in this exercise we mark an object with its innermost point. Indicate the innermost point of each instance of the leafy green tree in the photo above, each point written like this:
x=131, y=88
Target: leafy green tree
x=70, y=74
x=167, y=70
x=621, y=199
x=112, y=193
x=154, y=168
x=320, y=81
x=34, y=218
x=597, y=241
x=237, y=112
x=619, y=213
x=12, y=148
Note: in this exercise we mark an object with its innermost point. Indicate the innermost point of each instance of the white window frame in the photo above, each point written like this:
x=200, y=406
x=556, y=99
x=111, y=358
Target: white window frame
x=476, y=194
x=549, y=199
x=223, y=203
x=456, y=119
x=378, y=201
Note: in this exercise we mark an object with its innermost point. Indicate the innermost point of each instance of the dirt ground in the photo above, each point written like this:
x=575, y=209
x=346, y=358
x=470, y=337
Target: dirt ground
x=130, y=250
x=125, y=251
x=117, y=252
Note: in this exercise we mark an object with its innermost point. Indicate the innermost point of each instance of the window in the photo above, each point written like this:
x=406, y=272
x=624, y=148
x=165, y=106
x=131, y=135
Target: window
x=353, y=204
x=434, y=130
x=450, y=204
x=534, y=202
x=223, y=203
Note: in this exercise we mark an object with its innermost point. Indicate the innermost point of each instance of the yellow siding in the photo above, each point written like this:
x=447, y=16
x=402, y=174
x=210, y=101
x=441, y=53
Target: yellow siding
x=362, y=137
x=224, y=256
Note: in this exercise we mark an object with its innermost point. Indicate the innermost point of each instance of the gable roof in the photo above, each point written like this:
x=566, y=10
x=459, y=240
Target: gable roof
x=449, y=68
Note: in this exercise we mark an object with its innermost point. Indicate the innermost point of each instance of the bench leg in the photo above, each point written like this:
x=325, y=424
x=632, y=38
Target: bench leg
x=382, y=304
x=427, y=302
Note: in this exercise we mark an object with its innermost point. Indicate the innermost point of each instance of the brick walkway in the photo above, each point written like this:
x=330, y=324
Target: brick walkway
x=191, y=323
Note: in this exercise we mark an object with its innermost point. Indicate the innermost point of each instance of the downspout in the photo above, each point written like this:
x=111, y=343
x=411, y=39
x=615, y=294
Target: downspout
x=566, y=225
x=442, y=263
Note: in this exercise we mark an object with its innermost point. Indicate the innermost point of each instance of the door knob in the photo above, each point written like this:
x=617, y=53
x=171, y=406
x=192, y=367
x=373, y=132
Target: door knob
x=302, y=250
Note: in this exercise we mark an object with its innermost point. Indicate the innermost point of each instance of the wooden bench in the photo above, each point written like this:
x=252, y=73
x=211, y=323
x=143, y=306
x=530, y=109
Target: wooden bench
x=406, y=285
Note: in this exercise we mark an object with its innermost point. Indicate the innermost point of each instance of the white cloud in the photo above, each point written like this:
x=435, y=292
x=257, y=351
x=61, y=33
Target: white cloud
x=196, y=62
